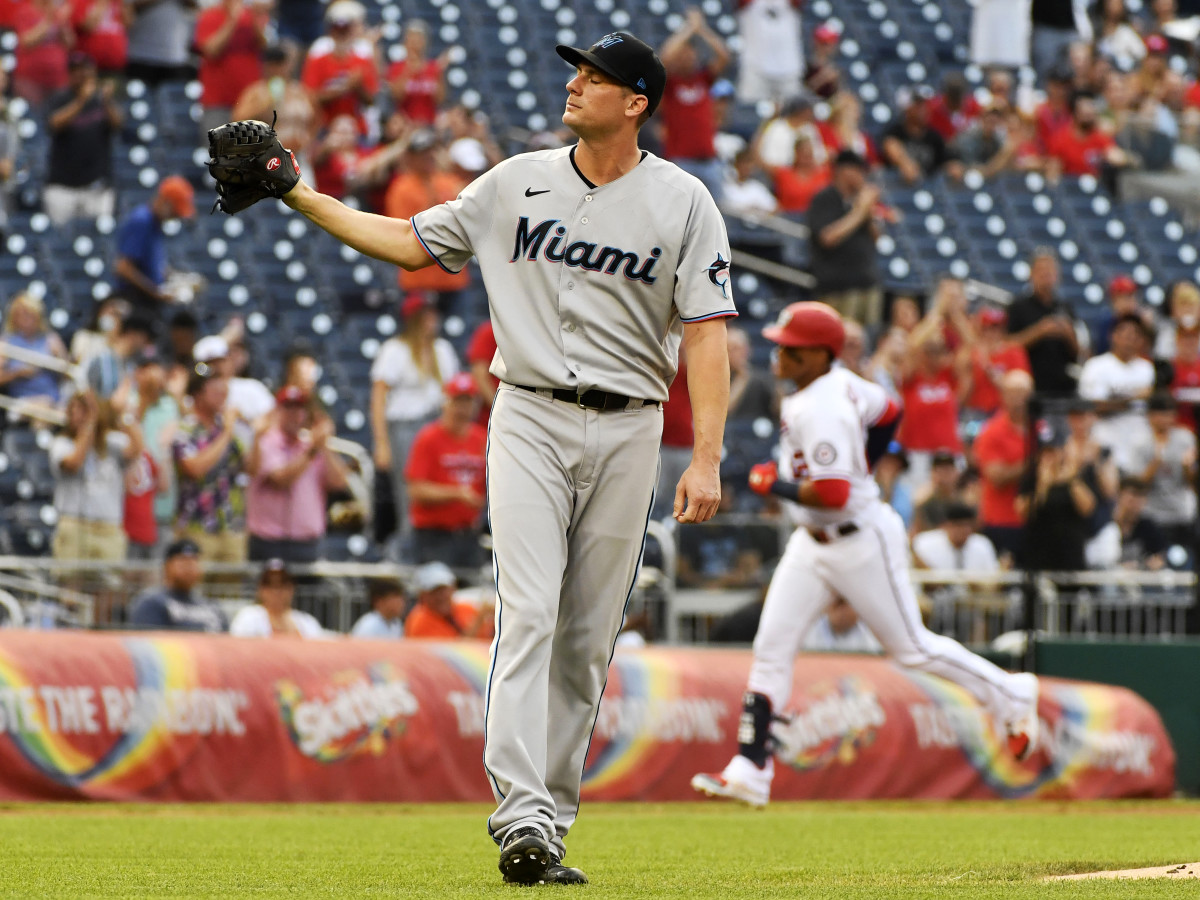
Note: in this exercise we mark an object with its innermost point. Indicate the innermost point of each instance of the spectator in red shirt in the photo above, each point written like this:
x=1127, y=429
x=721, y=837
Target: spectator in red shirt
x=479, y=358
x=337, y=156
x=955, y=108
x=688, y=119
x=44, y=41
x=843, y=129
x=417, y=83
x=991, y=359
x=100, y=33
x=796, y=185
x=821, y=74
x=445, y=480
x=340, y=68
x=1001, y=454
x=675, y=453
x=1081, y=147
x=230, y=37
x=1055, y=111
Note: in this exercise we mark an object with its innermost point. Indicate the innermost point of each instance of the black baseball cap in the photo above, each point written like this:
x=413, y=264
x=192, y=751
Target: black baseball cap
x=275, y=570
x=627, y=59
x=850, y=158
x=182, y=547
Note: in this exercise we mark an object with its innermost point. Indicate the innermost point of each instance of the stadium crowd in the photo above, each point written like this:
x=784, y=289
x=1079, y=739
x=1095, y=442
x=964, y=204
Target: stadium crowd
x=1029, y=439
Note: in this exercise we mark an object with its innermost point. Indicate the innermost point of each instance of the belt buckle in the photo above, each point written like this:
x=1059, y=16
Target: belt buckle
x=579, y=400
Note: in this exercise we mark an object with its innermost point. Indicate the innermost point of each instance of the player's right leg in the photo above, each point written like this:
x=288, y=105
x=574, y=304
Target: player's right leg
x=795, y=599
x=530, y=455
x=873, y=575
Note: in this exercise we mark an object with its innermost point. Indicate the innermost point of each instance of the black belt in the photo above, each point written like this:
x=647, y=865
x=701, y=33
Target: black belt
x=821, y=536
x=590, y=399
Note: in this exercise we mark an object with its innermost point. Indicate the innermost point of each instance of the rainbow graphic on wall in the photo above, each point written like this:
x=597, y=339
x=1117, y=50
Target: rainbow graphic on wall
x=161, y=669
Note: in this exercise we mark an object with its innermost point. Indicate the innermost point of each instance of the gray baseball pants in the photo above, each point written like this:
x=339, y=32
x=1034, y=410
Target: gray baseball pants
x=569, y=494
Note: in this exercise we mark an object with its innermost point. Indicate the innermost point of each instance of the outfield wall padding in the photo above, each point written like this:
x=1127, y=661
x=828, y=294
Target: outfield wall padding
x=163, y=717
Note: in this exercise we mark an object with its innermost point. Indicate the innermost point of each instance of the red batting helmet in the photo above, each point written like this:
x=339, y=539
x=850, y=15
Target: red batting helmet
x=808, y=325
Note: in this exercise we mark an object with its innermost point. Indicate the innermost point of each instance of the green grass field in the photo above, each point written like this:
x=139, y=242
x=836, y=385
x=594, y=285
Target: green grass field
x=710, y=850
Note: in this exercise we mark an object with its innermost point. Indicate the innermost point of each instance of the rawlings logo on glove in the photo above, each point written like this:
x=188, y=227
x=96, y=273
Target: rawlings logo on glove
x=246, y=159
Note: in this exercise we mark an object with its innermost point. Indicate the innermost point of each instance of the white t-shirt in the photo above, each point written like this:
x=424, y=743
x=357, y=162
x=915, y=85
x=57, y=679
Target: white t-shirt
x=777, y=146
x=253, y=622
x=95, y=492
x=770, y=32
x=934, y=550
x=858, y=639
x=1105, y=377
x=823, y=435
x=373, y=625
x=747, y=198
x=412, y=395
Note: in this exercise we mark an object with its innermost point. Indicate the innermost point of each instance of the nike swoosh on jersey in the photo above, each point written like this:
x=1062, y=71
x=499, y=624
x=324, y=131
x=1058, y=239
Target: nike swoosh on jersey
x=530, y=192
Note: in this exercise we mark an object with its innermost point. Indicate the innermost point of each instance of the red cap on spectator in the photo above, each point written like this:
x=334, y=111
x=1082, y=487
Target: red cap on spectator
x=1122, y=284
x=461, y=385
x=176, y=191
x=414, y=303
x=1156, y=43
x=824, y=34
x=291, y=394
x=991, y=315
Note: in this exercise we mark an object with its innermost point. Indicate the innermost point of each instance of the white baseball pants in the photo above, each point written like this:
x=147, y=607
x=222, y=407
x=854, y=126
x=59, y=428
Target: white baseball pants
x=870, y=570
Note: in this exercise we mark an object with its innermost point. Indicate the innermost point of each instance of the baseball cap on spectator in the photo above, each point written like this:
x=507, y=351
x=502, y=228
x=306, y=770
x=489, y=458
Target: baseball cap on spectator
x=414, y=303
x=181, y=547
x=1061, y=72
x=957, y=511
x=826, y=34
x=210, y=348
x=423, y=139
x=345, y=12
x=467, y=153
x=849, y=158
x=291, y=395
x=275, y=570
x=896, y=449
x=1156, y=43
x=802, y=102
x=432, y=576
x=1050, y=435
x=135, y=323
x=722, y=89
x=992, y=315
x=1122, y=284
x=177, y=192
x=147, y=356
x=461, y=385
x=944, y=458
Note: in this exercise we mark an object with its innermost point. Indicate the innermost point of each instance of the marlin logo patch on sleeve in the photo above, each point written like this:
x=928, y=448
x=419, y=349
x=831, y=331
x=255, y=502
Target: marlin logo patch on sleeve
x=717, y=268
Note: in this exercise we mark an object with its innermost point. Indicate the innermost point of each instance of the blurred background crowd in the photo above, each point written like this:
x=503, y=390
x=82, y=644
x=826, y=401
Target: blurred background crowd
x=1000, y=197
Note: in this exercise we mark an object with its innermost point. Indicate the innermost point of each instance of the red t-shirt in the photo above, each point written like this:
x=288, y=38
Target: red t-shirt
x=1187, y=375
x=860, y=144
x=1191, y=97
x=985, y=396
x=481, y=350
x=930, y=412
x=419, y=100
x=332, y=172
x=677, y=413
x=107, y=43
x=442, y=458
x=999, y=441
x=687, y=116
x=949, y=123
x=45, y=63
x=1080, y=154
x=140, y=487
x=9, y=11
x=794, y=191
x=323, y=70
x=239, y=65
x=1049, y=121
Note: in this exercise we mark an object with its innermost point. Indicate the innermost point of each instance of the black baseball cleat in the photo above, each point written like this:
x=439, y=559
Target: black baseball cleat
x=557, y=873
x=525, y=856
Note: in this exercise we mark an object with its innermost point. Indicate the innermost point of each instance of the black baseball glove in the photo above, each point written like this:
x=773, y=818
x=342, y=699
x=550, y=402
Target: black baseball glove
x=249, y=164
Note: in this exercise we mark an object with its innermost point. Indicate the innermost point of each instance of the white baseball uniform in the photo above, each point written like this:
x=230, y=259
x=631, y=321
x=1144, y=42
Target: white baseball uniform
x=859, y=552
x=589, y=287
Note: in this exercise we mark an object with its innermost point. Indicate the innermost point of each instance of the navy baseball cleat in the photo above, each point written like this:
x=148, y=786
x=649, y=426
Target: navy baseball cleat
x=525, y=856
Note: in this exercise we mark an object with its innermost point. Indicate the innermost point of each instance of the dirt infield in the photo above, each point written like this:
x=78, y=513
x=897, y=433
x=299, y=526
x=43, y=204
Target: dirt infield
x=1180, y=870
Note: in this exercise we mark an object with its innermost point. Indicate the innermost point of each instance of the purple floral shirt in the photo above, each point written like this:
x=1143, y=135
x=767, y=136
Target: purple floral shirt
x=217, y=502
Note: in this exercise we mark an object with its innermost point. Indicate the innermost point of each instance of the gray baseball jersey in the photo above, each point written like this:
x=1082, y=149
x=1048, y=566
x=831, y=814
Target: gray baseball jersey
x=589, y=286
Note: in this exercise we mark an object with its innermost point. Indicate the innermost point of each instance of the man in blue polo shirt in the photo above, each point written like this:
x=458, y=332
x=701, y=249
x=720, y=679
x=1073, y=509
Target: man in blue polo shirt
x=140, y=270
